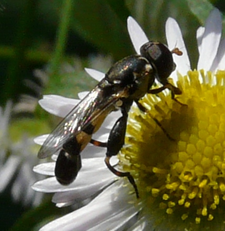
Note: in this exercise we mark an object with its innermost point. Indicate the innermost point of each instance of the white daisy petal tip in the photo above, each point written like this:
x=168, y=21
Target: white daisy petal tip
x=215, y=15
x=48, y=106
x=172, y=29
x=137, y=35
x=210, y=40
x=97, y=75
x=175, y=39
x=40, y=139
x=46, y=169
x=57, y=105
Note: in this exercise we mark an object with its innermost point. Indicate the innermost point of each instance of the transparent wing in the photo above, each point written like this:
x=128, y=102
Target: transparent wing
x=85, y=112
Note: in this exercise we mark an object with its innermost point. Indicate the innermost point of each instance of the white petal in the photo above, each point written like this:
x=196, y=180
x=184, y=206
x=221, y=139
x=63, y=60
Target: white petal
x=8, y=170
x=97, y=75
x=60, y=205
x=210, y=41
x=83, y=181
x=115, y=199
x=21, y=188
x=117, y=221
x=58, y=105
x=219, y=62
x=88, y=165
x=92, y=151
x=93, y=170
x=111, y=119
x=137, y=35
x=45, y=169
x=175, y=39
x=82, y=94
x=82, y=193
x=141, y=224
x=102, y=135
x=58, y=98
x=5, y=117
x=199, y=35
x=41, y=139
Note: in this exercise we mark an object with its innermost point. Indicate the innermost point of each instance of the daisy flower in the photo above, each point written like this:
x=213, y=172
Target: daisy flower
x=16, y=160
x=17, y=155
x=179, y=170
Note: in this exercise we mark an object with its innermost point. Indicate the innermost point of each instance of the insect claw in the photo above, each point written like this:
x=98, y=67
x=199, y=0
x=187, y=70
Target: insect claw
x=122, y=174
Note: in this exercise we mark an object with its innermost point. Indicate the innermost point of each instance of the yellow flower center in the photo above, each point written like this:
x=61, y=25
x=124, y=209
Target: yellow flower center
x=176, y=153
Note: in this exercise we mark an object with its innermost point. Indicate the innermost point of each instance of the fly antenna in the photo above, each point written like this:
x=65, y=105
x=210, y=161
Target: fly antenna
x=177, y=51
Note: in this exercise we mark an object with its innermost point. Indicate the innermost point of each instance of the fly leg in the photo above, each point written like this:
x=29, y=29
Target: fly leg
x=98, y=143
x=174, y=91
x=143, y=109
x=140, y=106
x=114, y=144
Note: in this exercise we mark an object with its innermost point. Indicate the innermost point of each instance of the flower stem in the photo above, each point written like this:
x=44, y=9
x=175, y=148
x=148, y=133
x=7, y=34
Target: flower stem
x=18, y=64
x=61, y=36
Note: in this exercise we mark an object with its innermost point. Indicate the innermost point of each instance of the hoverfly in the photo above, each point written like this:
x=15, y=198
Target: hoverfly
x=126, y=82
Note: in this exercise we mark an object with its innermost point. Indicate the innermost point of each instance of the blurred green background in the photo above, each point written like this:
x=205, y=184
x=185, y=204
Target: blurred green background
x=51, y=35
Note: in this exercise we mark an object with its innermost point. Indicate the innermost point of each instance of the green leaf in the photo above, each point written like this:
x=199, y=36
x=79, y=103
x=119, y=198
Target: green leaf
x=201, y=9
x=98, y=22
x=71, y=79
x=119, y=8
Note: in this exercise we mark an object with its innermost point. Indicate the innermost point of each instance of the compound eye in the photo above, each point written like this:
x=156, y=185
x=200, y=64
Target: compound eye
x=160, y=57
